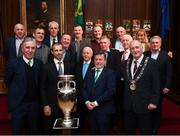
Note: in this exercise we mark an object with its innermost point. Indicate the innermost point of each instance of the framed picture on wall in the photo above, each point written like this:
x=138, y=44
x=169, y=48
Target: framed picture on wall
x=38, y=13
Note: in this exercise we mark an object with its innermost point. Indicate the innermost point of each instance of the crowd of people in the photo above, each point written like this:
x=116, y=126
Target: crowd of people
x=118, y=79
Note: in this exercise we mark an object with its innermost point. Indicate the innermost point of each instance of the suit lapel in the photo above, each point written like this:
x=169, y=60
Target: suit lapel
x=140, y=67
x=98, y=81
x=53, y=68
x=13, y=46
x=22, y=67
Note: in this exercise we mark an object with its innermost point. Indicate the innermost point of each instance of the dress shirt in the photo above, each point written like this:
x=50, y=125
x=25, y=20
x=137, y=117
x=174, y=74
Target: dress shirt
x=85, y=67
x=118, y=45
x=18, y=43
x=57, y=65
x=27, y=61
x=51, y=40
x=125, y=55
x=154, y=55
x=133, y=64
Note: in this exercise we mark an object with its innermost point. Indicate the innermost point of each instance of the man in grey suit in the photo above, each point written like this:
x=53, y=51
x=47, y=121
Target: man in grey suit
x=43, y=51
x=78, y=43
x=141, y=90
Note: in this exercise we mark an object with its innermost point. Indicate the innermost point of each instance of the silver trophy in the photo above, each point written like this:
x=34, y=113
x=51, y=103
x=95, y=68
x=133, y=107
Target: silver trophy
x=67, y=98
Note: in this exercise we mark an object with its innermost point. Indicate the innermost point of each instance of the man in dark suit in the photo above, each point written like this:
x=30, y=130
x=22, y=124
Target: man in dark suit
x=53, y=36
x=49, y=79
x=112, y=55
x=165, y=69
x=99, y=87
x=142, y=90
x=78, y=43
x=12, y=45
x=22, y=80
x=81, y=71
x=117, y=41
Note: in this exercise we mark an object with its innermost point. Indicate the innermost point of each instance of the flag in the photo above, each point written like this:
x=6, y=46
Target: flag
x=79, y=16
x=165, y=17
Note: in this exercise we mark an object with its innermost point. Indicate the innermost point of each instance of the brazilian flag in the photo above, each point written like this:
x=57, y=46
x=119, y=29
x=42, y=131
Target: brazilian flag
x=79, y=17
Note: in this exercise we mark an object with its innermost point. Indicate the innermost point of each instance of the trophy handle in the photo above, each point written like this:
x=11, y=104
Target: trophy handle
x=73, y=83
x=59, y=82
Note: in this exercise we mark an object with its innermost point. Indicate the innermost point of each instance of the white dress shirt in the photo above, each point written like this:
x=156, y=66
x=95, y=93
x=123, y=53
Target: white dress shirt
x=118, y=45
x=51, y=40
x=27, y=61
x=57, y=65
x=138, y=64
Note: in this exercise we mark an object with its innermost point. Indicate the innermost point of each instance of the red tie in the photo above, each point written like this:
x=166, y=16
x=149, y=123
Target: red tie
x=135, y=66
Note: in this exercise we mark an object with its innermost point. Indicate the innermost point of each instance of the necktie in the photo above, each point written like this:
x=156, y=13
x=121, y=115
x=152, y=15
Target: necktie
x=124, y=55
x=29, y=63
x=85, y=67
x=135, y=67
x=60, y=68
x=96, y=75
x=54, y=41
x=77, y=51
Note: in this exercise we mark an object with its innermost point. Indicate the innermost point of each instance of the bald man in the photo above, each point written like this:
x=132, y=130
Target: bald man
x=12, y=45
x=117, y=41
x=81, y=71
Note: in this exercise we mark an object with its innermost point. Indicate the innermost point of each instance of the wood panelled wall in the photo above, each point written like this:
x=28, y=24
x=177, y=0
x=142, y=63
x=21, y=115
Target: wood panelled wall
x=9, y=15
x=116, y=10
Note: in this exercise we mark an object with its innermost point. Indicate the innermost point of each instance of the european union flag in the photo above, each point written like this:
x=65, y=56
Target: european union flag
x=165, y=18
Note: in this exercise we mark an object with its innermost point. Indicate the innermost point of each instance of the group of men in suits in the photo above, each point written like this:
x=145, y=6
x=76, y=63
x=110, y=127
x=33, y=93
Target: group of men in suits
x=100, y=71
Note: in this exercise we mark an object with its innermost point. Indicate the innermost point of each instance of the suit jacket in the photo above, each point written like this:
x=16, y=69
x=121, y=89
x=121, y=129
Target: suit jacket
x=48, y=42
x=121, y=54
x=84, y=42
x=10, y=48
x=147, y=87
x=79, y=76
x=113, y=59
x=102, y=91
x=49, y=81
x=45, y=53
x=164, y=67
x=113, y=42
x=16, y=80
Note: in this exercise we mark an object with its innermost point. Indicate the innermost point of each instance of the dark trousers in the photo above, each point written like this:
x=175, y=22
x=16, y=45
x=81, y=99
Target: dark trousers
x=143, y=121
x=49, y=121
x=156, y=116
x=100, y=124
x=26, y=114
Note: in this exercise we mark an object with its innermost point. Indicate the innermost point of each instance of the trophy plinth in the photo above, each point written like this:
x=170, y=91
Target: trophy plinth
x=58, y=124
x=66, y=98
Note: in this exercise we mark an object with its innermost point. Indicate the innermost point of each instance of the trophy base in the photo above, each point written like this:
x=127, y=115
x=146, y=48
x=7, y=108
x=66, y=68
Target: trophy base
x=58, y=124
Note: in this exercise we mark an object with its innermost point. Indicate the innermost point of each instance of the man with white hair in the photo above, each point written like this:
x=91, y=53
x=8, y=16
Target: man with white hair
x=165, y=69
x=141, y=92
x=22, y=79
x=53, y=36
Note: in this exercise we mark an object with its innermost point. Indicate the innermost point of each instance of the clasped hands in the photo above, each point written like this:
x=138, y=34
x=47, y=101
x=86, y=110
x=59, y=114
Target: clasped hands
x=90, y=105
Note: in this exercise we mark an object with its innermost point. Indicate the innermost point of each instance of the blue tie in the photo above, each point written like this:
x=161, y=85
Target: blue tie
x=84, y=70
